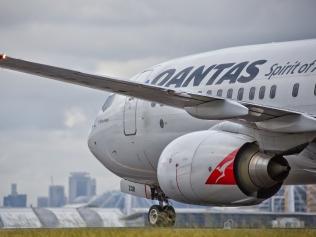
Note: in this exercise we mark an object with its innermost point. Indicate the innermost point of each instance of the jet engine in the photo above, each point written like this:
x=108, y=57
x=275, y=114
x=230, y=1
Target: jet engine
x=219, y=168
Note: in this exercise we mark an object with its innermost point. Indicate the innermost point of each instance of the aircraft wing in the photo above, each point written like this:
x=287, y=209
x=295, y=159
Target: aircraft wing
x=198, y=105
x=111, y=84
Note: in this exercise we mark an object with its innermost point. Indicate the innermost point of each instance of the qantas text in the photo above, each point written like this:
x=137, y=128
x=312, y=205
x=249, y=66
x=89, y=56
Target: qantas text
x=216, y=74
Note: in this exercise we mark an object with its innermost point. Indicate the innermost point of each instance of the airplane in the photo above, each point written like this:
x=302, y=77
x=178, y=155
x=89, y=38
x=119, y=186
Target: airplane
x=222, y=128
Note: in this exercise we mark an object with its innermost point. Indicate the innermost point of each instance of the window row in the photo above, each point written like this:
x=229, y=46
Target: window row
x=252, y=92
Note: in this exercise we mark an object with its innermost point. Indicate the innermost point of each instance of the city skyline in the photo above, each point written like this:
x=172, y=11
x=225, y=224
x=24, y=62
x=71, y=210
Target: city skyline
x=289, y=199
x=65, y=186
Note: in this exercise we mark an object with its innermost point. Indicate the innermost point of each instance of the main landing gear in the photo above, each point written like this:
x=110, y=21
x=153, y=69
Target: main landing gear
x=160, y=215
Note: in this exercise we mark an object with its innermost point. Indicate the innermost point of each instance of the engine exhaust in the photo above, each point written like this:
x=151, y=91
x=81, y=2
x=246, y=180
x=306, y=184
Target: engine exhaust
x=257, y=174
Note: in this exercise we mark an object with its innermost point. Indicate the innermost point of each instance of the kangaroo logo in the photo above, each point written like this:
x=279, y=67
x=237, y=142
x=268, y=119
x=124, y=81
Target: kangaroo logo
x=224, y=172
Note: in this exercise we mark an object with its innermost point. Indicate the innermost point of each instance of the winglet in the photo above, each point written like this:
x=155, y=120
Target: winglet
x=2, y=56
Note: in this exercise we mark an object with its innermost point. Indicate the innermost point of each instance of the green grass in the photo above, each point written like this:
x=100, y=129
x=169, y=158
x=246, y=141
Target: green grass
x=153, y=232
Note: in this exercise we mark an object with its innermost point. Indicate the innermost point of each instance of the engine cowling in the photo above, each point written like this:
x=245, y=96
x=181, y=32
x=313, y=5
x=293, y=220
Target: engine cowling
x=219, y=168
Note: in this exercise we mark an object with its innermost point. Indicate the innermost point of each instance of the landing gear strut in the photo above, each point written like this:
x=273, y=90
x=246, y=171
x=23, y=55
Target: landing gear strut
x=160, y=215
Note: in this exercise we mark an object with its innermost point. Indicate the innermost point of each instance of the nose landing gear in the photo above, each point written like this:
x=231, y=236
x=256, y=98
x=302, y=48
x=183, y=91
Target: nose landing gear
x=159, y=216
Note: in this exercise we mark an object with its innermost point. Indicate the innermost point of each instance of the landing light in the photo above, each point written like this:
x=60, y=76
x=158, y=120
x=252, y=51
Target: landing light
x=2, y=56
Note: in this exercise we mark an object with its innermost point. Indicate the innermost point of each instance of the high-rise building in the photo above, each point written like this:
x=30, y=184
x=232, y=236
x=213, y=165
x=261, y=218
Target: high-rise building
x=14, y=199
x=81, y=185
x=42, y=202
x=56, y=196
x=311, y=198
x=296, y=198
x=275, y=203
x=300, y=198
x=14, y=189
x=290, y=199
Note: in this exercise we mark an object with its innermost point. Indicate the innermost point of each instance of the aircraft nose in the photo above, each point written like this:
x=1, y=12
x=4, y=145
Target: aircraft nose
x=91, y=140
x=92, y=145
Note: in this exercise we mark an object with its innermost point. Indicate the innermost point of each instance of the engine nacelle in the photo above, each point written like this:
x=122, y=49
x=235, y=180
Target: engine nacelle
x=219, y=168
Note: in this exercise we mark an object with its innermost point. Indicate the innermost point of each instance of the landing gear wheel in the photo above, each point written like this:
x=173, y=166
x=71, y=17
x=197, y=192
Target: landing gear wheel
x=156, y=216
x=171, y=215
x=161, y=216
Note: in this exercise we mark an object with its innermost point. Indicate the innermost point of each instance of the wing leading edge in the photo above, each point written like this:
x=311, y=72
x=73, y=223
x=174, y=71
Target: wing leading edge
x=198, y=105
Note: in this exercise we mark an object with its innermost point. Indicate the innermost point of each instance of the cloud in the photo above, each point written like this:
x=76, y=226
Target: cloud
x=126, y=69
x=120, y=31
x=74, y=117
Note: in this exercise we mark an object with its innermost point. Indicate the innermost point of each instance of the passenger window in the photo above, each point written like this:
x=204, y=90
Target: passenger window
x=209, y=92
x=295, y=89
x=262, y=91
x=230, y=93
x=273, y=91
x=252, y=92
x=315, y=90
x=220, y=92
x=240, y=94
x=108, y=102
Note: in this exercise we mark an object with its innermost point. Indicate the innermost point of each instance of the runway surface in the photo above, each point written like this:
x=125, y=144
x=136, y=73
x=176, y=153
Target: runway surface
x=155, y=232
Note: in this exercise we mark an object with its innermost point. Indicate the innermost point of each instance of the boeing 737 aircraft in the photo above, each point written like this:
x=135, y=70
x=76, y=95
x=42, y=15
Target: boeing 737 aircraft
x=227, y=127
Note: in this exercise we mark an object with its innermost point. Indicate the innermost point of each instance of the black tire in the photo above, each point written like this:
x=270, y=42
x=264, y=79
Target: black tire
x=171, y=215
x=156, y=216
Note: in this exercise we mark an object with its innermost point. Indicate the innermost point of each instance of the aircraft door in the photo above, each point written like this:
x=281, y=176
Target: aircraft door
x=129, y=116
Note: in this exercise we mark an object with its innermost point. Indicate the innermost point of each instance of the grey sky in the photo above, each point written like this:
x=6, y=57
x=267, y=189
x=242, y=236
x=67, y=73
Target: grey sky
x=44, y=124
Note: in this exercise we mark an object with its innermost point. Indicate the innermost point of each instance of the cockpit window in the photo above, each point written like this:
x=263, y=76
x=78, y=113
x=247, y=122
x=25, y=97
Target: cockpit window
x=108, y=102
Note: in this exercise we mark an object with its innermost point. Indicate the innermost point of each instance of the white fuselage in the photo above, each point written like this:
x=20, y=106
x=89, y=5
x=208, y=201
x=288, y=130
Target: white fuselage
x=129, y=136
